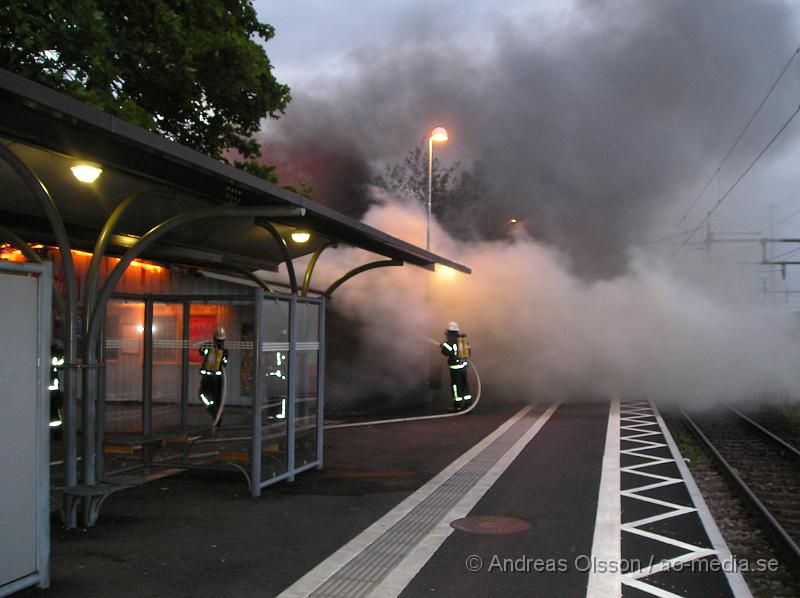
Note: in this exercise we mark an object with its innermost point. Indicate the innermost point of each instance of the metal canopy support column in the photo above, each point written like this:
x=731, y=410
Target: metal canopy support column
x=100, y=424
x=291, y=399
x=147, y=380
x=185, y=365
x=47, y=204
x=255, y=459
x=321, y=383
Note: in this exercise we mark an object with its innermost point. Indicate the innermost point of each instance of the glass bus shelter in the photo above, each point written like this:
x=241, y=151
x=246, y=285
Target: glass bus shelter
x=150, y=412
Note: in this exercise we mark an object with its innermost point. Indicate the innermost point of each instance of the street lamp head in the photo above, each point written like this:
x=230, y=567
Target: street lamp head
x=439, y=134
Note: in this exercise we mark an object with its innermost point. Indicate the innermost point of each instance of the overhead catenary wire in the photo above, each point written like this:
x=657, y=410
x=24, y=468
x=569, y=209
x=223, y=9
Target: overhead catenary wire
x=739, y=179
x=786, y=218
x=786, y=254
x=739, y=138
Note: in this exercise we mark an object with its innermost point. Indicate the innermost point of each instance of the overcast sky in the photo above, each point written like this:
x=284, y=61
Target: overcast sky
x=599, y=121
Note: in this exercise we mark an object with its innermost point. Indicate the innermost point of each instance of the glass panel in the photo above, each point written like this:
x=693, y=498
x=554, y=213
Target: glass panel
x=275, y=387
x=307, y=322
x=124, y=355
x=306, y=407
x=234, y=386
x=167, y=365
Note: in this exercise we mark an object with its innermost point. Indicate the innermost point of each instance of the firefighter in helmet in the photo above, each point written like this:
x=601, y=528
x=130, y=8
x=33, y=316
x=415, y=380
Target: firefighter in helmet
x=457, y=349
x=212, y=383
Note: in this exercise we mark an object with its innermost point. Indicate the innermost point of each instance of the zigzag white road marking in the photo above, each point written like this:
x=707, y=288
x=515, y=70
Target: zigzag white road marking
x=667, y=482
x=652, y=590
x=638, y=421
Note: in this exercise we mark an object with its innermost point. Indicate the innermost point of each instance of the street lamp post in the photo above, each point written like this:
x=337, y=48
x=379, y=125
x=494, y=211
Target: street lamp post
x=439, y=134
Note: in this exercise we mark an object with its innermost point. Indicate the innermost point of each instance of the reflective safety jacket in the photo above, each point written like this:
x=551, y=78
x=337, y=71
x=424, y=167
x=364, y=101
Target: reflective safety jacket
x=458, y=351
x=214, y=360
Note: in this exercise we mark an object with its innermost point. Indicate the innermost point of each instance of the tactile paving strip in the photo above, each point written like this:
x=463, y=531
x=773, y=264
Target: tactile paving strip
x=366, y=570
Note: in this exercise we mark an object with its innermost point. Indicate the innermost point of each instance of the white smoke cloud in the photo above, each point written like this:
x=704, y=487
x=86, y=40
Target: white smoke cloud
x=538, y=330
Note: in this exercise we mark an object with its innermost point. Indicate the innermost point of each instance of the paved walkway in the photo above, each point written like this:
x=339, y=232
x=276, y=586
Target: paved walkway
x=604, y=504
x=611, y=507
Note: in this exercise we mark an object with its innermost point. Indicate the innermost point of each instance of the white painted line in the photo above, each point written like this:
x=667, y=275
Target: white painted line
x=327, y=568
x=735, y=579
x=652, y=590
x=407, y=569
x=607, y=542
x=666, y=565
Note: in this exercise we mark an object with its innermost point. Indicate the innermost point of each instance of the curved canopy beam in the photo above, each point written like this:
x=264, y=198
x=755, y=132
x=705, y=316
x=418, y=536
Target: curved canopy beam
x=359, y=270
x=312, y=264
x=9, y=236
x=158, y=232
x=90, y=288
x=284, y=247
x=251, y=276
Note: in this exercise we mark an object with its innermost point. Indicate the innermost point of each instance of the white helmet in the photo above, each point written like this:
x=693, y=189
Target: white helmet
x=219, y=334
x=452, y=327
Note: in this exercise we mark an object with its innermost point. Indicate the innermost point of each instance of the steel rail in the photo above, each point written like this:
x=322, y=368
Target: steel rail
x=788, y=542
x=763, y=431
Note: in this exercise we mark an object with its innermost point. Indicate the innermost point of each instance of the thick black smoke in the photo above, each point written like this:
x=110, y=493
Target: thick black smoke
x=587, y=124
x=595, y=123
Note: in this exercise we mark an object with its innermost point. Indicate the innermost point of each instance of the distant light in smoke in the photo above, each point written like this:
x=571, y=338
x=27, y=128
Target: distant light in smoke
x=513, y=221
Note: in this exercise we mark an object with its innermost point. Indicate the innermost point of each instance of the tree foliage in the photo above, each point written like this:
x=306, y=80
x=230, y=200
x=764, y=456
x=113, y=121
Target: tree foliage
x=191, y=70
x=462, y=199
x=410, y=178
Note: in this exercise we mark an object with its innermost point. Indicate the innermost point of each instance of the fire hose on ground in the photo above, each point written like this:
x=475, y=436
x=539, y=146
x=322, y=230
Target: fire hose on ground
x=419, y=417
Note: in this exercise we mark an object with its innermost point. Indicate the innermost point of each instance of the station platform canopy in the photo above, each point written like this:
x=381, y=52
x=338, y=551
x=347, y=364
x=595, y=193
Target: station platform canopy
x=160, y=201
x=51, y=132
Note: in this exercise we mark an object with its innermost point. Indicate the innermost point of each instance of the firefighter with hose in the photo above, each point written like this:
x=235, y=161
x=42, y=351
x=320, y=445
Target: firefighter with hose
x=212, y=375
x=457, y=349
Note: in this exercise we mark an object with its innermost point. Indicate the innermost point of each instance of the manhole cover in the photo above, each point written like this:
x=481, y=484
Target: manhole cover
x=491, y=525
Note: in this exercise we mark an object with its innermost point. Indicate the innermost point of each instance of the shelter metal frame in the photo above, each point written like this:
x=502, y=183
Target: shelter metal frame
x=89, y=492
x=162, y=168
x=260, y=301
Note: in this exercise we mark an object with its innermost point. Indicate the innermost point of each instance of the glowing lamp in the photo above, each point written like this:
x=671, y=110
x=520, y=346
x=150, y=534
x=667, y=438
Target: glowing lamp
x=86, y=172
x=301, y=236
x=513, y=221
x=445, y=273
x=439, y=134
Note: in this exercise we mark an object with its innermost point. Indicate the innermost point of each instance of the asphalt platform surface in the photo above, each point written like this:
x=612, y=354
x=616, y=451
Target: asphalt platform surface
x=200, y=533
x=551, y=473
x=553, y=484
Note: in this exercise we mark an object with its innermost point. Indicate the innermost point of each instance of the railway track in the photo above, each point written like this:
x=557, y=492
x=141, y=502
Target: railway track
x=764, y=467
